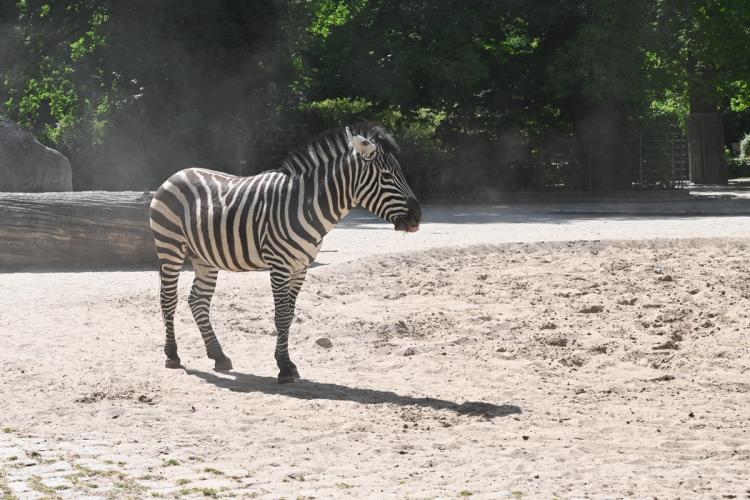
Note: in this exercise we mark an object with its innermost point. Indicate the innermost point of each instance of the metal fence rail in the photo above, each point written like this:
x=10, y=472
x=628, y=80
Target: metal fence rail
x=663, y=160
x=660, y=161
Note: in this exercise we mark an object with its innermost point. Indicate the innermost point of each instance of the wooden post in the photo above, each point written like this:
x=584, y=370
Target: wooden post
x=640, y=160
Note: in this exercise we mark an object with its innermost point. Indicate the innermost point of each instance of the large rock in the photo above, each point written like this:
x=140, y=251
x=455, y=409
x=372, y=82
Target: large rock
x=26, y=165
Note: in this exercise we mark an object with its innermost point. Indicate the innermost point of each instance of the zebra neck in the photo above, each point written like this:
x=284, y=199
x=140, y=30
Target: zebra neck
x=324, y=190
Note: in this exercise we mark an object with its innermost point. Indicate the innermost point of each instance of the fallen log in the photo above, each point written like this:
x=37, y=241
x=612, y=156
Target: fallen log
x=75, y=231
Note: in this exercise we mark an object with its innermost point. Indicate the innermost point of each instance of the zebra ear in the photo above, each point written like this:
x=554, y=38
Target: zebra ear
x=360, y=144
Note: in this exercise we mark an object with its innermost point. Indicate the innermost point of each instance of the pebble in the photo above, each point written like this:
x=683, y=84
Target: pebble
x=627, y=301
x=591, y=309
x=558, y=342
x=410, y=351
x=324, y=342
x=669, y=344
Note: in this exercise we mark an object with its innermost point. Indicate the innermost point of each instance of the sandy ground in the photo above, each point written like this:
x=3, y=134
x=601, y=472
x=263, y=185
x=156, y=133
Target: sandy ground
x=584, y=369
x=362, y=234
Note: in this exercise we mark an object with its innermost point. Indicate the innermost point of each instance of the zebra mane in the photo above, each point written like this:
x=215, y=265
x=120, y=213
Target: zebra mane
x=336, y=137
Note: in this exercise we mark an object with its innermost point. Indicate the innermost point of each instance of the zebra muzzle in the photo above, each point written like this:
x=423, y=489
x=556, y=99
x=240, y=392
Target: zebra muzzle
x=410, y=221
x=407, y=224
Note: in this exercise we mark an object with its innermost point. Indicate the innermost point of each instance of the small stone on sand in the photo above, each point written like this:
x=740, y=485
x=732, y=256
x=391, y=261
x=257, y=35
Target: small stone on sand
x=591, y=309
x=324, y=342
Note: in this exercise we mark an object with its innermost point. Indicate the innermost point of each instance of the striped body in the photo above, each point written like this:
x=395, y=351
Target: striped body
x=244, y=223
x=274, y=220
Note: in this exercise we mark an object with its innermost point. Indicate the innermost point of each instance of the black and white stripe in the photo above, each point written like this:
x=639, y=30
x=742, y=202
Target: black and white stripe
x=275, y=220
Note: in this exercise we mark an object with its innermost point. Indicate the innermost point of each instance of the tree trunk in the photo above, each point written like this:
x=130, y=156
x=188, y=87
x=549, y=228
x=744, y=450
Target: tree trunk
x=708, y=163
x=600, y=149
x=74, y=231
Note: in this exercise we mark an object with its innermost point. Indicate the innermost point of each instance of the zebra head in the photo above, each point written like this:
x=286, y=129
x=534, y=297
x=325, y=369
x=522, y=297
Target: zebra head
x=382, y=188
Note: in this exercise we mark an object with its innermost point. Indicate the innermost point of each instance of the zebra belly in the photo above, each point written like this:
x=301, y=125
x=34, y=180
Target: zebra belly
x=226, y=241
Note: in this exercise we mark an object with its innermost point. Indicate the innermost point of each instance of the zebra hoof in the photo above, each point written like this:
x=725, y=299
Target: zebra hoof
x=295, y=373
x=286, y=378
x=172, y=363
x=223, y=365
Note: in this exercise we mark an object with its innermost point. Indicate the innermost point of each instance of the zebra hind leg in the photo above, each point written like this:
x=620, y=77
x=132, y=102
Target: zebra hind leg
x=169, y=273
x=200, y=304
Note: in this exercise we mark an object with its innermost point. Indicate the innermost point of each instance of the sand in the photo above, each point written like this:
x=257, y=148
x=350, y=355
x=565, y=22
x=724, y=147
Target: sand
x=583, y=369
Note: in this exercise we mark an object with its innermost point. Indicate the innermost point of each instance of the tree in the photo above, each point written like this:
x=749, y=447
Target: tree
x=133, y=91
x=703, y=50
x=481, y=94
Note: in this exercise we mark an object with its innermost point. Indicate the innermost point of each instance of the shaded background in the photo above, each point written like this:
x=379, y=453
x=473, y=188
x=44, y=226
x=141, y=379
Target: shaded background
x=485, y=96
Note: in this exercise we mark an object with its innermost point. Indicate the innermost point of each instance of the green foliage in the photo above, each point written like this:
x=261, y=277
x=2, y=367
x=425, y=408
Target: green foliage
x=50, y=95
x=332, y=13
x=339, y=110
x=745, y=147
x=484, y=93
x=700, y=57
x=739, y=92
x=93, y=39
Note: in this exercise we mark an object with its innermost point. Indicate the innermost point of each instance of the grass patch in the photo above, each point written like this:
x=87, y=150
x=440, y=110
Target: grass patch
x=465, y=493
x=5, y=491
x=120, y=480
x=12, y=458
x=211, y=470
x=7, y=430
x=37, y=485
x=112, y=462
x=344, y=486
x=150, y=477
x=206, y=492
x=170, y=462
x=129, y=486
x=182, y=482
x=85, y=471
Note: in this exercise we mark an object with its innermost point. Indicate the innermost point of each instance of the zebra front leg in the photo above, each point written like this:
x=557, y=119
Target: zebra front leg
x=200, y=304
x=283, y=313
x=295, y=283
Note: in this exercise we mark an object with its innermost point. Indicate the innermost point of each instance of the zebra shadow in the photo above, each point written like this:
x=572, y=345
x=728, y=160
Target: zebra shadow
x=309, y=389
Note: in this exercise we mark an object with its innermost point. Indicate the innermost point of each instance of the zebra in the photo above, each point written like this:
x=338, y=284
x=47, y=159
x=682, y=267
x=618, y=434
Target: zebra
x=274, y=220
